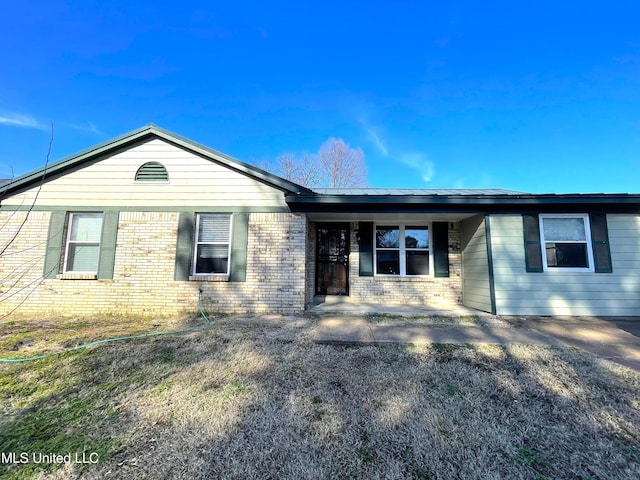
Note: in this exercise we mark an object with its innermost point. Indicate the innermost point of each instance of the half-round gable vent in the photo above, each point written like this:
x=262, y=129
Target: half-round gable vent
x=152, y=172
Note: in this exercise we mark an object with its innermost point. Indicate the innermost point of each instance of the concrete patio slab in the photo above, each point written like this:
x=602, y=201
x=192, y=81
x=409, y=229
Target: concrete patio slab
x=602, y=337
x=345, y=305
x=614, y=338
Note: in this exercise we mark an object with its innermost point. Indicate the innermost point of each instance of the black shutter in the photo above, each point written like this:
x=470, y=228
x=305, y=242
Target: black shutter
x=54, y=244
x=184, y=246
x=440, y=249
x=366, y=249
x=532, y=249
x=239, y=242
x=600, y=243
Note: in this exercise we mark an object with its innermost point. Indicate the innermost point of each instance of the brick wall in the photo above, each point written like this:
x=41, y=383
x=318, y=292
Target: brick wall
x=22, y=259
x=143, y=281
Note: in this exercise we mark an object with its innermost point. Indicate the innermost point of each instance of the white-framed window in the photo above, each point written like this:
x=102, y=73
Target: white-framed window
x=566, y=242
x=213, y=244
x=402, y=250
x=82, y=249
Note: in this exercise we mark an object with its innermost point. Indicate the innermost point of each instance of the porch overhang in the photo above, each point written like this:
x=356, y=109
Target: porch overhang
x=462, y=205
x=406, y=217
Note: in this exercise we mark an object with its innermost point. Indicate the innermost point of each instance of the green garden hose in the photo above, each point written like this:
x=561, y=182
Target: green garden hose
x=117, y=339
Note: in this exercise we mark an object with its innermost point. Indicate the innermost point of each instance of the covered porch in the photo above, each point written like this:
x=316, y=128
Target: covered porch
x=391, y=263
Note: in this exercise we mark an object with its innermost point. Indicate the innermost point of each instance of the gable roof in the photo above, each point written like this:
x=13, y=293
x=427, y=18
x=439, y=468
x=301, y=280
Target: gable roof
x=147, y=132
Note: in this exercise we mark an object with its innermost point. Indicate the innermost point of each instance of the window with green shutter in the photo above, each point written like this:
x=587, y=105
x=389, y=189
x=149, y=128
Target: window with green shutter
x=81, y=245
x=567, y=242
x=402, y=250
x=212, y=245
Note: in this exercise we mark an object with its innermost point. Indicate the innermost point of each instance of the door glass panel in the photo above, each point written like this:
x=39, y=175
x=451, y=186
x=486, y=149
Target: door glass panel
x=332, y=260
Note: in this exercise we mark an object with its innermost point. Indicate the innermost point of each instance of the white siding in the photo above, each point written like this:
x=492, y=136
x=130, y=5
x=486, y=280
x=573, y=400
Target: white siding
x=475, y=264
x=193, y=181
x=566, y=293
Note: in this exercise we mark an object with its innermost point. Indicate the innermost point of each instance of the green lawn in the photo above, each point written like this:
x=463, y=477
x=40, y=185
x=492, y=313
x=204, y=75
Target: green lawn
x=256, y=398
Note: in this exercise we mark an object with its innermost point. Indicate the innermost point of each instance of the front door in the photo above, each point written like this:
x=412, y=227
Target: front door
x=332, y=259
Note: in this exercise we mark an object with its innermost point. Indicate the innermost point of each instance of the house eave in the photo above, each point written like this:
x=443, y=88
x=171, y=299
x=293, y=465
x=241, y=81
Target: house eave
x=624, y=203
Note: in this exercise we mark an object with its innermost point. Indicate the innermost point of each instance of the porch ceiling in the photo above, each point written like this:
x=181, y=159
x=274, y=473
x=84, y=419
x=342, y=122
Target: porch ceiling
x=388, y=217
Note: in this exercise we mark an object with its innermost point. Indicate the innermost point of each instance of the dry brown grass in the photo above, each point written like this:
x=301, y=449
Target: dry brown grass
x=22, y=336
x=256, y=398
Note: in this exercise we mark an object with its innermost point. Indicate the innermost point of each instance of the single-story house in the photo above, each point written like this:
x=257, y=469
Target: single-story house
x=147, y=222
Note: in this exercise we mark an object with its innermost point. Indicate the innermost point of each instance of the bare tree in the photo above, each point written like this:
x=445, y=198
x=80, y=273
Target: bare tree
x=262, y=164
x=303, y=170
x=341, y=165
x=336, y=165
x=20, y=282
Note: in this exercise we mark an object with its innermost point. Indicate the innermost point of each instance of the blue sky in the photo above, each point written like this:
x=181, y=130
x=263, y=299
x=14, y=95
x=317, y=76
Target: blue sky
x=533, y=96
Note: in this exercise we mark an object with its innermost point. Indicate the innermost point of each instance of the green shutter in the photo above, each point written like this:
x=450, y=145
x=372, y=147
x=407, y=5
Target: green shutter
x=184, y=246
x=600, y=243
x=108, y=244
x=54, y=244
x=532, y=248
x=239, y=242
x=365, y=231
x=440, y=236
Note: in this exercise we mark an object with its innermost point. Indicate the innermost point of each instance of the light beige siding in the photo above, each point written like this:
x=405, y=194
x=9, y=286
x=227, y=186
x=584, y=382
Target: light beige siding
x=475, y=264
x=193, y=181
x=566, y=293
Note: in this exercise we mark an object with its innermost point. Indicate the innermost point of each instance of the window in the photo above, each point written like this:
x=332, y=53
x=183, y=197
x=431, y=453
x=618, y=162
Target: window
x=402, y=250
x=212, y=245
x=83, y=243
x=566, y=242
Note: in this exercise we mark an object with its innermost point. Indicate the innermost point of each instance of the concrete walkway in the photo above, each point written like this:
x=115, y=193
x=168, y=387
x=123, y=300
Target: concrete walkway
x=617, y=340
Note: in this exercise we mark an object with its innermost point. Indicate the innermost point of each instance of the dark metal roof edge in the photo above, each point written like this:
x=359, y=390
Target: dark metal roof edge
x=135, y=135
x=468, y=199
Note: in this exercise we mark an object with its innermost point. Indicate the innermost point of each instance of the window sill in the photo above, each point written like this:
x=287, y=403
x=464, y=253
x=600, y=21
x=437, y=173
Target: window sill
x=209, y=278
x=560, y=270
x=77, y=276
x=398, y=278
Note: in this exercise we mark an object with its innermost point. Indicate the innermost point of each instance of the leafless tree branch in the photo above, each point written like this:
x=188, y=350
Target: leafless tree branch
x=341, y=165
x=35, y=198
